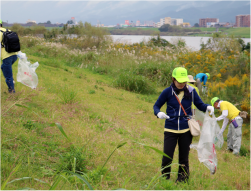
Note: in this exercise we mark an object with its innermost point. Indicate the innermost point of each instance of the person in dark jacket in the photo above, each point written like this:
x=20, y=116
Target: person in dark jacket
x=176, y=124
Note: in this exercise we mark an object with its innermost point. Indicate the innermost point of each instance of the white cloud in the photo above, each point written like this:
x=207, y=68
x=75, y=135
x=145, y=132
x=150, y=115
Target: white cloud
x=155, y=2
x=8, y=2
x=122, y=4
x=95, y=2
x=65, y=2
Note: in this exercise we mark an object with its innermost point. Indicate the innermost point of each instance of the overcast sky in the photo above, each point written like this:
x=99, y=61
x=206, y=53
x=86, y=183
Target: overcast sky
x=113, y=12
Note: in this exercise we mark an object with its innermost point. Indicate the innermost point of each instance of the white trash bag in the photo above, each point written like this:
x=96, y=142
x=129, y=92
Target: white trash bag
x=199, y=117
x=209, y=139
x=26, y=71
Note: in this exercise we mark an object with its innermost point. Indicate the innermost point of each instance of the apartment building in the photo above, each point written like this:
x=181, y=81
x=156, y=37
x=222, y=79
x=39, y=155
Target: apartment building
x=243, y=21
x=203, y=22
x=162, y=21
x=137, y=23
x=178, y=22
x=157, y=25
x=168, y=20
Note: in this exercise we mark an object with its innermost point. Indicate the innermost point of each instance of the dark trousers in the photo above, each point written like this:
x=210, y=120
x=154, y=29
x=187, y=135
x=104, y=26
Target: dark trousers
x=7, y=72
x=170, y=141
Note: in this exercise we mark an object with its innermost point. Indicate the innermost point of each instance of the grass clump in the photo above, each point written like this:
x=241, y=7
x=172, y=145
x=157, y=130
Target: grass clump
x=73, y=160
x=67, y=95
x=134, y=83
x=244, y=151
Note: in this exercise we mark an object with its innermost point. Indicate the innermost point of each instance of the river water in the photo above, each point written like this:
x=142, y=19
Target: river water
x=191, y=42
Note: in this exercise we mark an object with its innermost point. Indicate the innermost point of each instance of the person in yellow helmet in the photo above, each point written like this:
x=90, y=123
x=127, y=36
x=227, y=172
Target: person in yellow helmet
x=230, y=113
x=176, y=129
x=201, y=77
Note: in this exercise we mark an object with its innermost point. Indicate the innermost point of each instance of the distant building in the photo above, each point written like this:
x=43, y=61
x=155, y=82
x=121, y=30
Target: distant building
x=219, y=24
x=210, y=24
x=149, y=23
x=158, y=25
x=162, y=21
x=30, y=21
x=243, y=21
x=127, y=22
x=178, y=22
x=186, y=25
x=168, y=20
x=203, y=22
x=137, y=23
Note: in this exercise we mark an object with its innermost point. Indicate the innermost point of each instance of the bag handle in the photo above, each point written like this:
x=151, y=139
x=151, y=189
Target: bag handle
x=180, y=104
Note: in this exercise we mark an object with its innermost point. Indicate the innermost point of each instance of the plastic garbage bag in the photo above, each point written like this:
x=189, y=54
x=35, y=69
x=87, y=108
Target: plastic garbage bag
x=207, y=143
x=26, y=71
x=199, y=117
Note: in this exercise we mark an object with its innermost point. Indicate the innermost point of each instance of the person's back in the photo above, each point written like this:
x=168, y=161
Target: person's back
x=8, y=59
x=232, y=110
x=201, y=77
x=4, y=54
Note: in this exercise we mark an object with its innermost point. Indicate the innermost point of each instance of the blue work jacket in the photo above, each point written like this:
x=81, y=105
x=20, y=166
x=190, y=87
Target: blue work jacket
x=202, y=77
x=177, y=120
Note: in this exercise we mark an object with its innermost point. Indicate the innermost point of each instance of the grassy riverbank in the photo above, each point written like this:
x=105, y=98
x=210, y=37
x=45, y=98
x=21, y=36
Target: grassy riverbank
x=86, y=92
x=241, y=32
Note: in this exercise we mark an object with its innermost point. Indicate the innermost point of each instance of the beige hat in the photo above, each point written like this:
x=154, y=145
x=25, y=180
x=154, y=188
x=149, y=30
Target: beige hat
x=191, y=78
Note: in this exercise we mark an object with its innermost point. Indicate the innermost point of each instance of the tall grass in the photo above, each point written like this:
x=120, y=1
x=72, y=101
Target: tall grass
x=134, y=83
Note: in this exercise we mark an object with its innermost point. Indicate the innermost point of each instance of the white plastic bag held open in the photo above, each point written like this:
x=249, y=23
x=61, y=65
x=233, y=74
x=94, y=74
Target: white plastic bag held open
x=26, y=71
x=209, y=139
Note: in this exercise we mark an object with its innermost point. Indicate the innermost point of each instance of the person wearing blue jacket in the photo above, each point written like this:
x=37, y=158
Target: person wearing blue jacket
x=176, y=123
x=201, y=77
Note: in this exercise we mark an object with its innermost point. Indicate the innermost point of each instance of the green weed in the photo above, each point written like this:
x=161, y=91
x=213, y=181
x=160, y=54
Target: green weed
x=67, y=160
x=67, y=95
x=244, y=151
x=92, y=92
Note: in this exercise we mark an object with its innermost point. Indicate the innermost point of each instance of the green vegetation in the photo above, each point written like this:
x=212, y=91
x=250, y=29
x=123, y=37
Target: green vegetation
x=240, y=32
x=52, y=32
x=90, y=125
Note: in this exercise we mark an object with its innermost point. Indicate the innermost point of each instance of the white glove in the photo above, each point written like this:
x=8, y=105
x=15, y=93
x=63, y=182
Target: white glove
x=211, y=109
x=162, y=115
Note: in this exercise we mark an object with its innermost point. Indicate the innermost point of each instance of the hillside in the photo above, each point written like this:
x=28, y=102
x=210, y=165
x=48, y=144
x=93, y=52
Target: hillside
x=97, y=118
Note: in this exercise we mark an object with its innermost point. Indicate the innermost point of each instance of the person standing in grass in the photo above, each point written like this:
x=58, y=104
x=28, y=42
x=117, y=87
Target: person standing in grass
x=191, y=83
x=230, y=113
x=201, y=77
x=176, y=123
x=8, y=59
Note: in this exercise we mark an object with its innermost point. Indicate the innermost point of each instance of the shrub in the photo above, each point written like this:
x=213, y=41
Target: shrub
x=134, y=83
x=160, y=73
x=33, y=30
x=160, y=42
x=87, y=36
